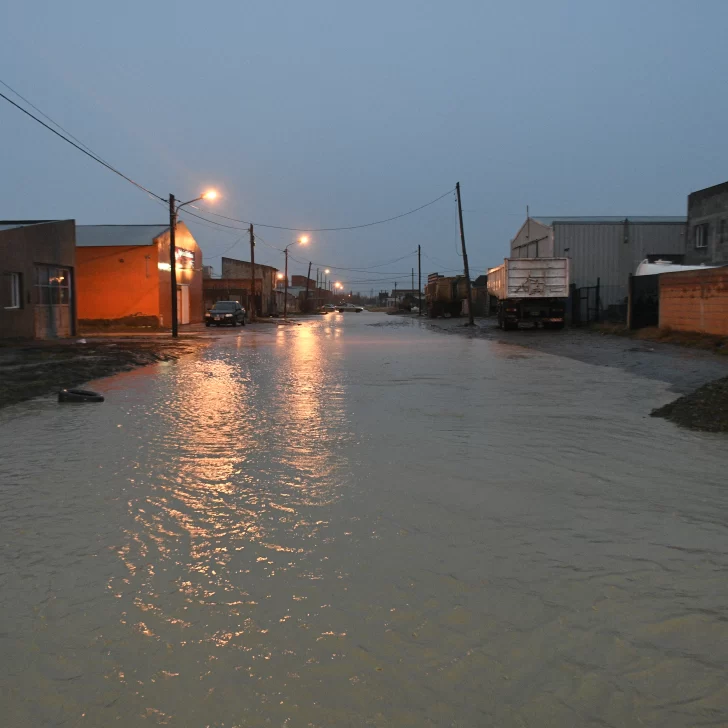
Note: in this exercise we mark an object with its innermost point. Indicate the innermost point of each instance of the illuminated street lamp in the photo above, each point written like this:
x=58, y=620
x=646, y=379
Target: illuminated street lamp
x=174, y=208
x=300, y=241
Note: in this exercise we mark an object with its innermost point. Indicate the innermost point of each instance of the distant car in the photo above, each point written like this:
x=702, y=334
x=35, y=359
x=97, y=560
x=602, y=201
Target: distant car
x=349, y=308
x=328, y=308
x=225, y=313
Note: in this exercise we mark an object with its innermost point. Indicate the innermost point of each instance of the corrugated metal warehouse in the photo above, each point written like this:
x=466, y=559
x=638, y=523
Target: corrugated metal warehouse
x=604, y=248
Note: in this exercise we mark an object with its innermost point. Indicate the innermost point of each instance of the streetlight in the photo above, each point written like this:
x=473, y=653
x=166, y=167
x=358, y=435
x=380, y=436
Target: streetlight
x=174, y=208
x=301, y=241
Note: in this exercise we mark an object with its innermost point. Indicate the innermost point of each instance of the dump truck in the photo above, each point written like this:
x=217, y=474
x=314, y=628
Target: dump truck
x=445, y=295
x=530, y=291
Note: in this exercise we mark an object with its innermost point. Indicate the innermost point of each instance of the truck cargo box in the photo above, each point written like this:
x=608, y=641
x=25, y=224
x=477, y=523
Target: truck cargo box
x=530, y=278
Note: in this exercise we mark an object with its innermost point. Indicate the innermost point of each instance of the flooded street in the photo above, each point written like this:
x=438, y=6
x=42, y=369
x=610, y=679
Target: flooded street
x=361, y=522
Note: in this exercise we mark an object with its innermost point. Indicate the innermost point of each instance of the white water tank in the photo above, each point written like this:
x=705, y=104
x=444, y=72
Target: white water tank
x=645, y=268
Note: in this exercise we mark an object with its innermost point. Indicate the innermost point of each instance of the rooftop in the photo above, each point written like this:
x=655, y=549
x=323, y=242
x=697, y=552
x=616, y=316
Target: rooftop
x=12, y=224
x=88, y=236
x=549, y=220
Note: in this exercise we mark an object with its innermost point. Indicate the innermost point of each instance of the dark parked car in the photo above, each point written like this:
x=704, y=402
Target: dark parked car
x=225, y=313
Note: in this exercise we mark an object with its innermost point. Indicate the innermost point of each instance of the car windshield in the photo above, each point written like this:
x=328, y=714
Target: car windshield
x=224, y=306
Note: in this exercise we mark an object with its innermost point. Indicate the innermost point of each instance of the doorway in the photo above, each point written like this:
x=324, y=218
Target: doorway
x=183, y=304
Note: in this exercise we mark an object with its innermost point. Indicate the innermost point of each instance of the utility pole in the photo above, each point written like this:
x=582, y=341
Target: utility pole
x=471, y=321
x=308, y=278
x=252, y=274
x=173, y=263
x=413, y=280
x=318, y=290
x=285, y=293
x=419, y=279
x=395, y=294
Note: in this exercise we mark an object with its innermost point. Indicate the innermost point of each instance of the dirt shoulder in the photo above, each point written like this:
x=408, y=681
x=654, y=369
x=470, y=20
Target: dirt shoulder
x=693, y=366
x=32, y=369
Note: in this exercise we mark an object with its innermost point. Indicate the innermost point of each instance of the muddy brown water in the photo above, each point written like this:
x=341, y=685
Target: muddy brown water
x=360, y=522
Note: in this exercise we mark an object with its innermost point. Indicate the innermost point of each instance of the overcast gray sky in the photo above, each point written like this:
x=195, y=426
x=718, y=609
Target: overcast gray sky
x=328, y=113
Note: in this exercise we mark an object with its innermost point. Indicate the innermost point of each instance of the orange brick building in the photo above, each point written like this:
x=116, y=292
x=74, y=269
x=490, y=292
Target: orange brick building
x=695, y=300
x=123, y=275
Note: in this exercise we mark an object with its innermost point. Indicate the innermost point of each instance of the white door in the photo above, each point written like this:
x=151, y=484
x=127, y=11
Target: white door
x=183, y=304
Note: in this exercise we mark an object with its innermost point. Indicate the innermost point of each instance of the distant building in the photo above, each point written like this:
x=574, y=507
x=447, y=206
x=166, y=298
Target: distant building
x=123, y=275
x=37, y=279
x=707, y=238
x=239, y=271
x=301, y=282
x=607, y=249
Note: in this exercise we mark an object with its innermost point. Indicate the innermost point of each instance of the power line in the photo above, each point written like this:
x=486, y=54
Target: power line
x=80, y=148
x=53, y=121
x=330, y=229
x=366, y=269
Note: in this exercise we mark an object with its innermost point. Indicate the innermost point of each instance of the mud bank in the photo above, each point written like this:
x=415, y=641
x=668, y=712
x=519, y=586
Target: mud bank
x=38, y=368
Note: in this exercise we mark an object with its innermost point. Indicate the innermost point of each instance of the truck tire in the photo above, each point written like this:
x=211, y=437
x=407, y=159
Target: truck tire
x=509, y=326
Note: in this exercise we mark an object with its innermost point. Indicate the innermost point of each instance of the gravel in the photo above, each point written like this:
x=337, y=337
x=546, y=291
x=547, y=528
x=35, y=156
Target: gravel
x=705, y=409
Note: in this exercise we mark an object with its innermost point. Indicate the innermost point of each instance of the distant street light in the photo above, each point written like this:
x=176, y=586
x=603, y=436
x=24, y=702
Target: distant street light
x=300, y=241
x=174, y=208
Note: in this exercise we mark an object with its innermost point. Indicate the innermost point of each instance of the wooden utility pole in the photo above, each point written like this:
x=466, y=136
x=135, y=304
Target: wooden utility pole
x=471, y=320
x=413, y=279
x=173, y=262
x=395, y=294
x=308, y=279
x=285, y=290
x=252, y=274
x=419, y=279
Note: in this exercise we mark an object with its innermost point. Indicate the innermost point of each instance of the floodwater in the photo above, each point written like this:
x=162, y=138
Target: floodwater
x=359, y=522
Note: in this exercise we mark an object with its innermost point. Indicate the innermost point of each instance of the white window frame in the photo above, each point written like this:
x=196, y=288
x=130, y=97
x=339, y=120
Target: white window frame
x=701, y=239
x=15, y=292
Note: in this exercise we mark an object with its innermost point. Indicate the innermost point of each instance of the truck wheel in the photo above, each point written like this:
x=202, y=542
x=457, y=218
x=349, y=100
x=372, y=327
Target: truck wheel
x=509, y=326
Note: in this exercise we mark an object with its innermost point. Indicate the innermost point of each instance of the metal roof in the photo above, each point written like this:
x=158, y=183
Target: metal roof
x=549, y=220
x=13, y=224
x=88, y=236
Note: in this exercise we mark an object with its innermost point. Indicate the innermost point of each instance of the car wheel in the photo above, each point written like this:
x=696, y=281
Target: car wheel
x=242, y=323
x=207, y=323
x=233, y=323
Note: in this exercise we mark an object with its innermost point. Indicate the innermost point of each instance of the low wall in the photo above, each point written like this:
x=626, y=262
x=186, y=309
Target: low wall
x=695, y=300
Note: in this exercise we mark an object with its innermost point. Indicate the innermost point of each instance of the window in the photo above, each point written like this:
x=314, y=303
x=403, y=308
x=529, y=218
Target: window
x=701, y=235
x=722, y=238
x=12, y=295
x=53, y=285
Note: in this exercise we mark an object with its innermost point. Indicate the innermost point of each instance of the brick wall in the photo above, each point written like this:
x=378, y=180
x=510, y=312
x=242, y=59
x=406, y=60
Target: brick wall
x=695, y=300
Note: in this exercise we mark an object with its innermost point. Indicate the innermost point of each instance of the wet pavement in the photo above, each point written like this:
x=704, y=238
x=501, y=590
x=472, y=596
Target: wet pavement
x=361, y=522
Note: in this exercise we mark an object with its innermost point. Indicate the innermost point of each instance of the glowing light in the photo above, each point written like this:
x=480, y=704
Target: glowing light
x=164, y=266
x=280, y=276
x=303, y=239
x=327, y=271
x=210, y=195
